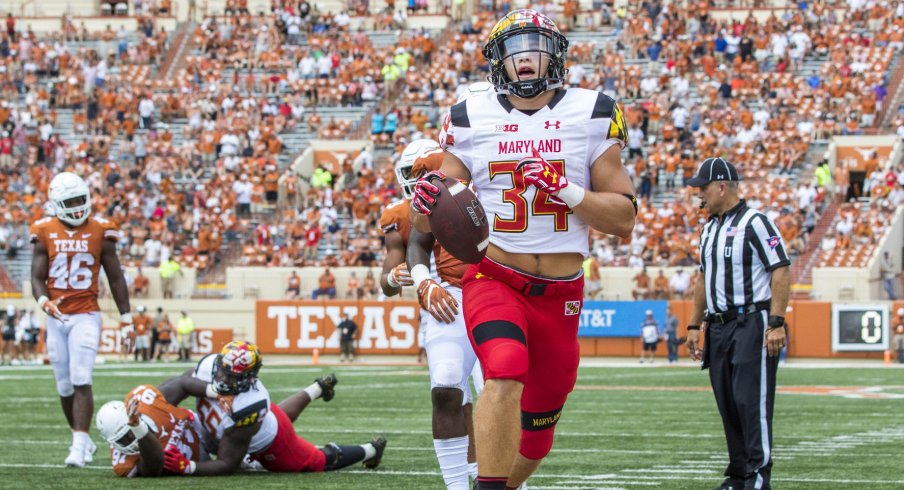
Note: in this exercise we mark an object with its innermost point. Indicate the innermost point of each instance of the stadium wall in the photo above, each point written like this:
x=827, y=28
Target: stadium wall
x=390, y=327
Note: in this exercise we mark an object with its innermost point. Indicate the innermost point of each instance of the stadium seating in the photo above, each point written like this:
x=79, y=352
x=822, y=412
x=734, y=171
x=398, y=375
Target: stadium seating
x=237, y=95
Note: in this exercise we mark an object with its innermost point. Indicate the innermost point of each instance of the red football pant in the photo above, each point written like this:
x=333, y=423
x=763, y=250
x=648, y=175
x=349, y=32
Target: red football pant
x=525, y=328
x=289, y=453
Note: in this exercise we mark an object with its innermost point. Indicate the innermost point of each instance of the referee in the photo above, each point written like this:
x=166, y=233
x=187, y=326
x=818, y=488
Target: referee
x=741, y=294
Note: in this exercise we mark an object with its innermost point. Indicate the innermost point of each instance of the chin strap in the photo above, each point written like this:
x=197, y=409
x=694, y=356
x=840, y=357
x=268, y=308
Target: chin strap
x=528, y=89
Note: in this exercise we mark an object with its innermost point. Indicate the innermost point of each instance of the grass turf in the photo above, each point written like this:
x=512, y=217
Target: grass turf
x=623, y=427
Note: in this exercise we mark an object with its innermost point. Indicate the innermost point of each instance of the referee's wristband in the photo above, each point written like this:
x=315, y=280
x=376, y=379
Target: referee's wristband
x=693, y=327
x=775, y=321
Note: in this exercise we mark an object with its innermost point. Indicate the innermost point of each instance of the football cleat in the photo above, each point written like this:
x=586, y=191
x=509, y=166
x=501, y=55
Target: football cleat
x=379, y=444
x=328, y=386
x=76, y=458
x=90, y=449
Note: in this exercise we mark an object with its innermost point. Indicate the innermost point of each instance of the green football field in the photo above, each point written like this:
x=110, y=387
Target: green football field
x=623, y=428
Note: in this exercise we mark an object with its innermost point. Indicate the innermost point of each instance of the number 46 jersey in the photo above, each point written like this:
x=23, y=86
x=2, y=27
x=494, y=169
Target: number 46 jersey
x=74, y=259
x=490, y=137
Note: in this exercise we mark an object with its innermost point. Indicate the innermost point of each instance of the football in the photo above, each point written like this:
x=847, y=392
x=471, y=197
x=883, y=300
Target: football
x=459, y=222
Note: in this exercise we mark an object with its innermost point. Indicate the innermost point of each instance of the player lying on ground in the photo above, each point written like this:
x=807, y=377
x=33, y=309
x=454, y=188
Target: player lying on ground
x=140, y=430
x=235, y=408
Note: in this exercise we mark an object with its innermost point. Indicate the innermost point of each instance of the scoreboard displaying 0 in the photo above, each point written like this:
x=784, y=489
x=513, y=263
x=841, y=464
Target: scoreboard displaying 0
x=859, y=328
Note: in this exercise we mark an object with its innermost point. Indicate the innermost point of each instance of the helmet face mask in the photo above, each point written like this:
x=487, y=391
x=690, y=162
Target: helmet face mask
x=404, y=166
x=70, y=198
x=235, y=368
x=113, y=423
x=530, y=38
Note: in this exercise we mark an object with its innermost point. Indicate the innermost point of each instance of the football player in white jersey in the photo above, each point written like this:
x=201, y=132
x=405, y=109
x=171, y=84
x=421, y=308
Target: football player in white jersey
x=546, y=164
x=235, y=408
x=450, y=356
x=70, y=247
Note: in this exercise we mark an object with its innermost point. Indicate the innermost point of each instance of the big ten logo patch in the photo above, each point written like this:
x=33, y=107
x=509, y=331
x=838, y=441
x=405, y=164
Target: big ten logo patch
x=506, y=128
x=572, y=308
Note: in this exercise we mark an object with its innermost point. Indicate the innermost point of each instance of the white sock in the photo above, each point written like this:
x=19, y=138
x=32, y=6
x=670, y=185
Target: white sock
x=472, y=470
x=453, y=461
x=80, y=440
x=369, y=451
x=314, y=391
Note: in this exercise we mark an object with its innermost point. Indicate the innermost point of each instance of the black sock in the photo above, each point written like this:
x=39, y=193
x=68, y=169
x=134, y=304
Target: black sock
x=491, y=482
x=338, y=457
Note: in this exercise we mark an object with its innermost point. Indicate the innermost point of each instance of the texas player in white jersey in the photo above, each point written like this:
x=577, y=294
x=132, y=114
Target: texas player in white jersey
x=545, y=162
x=69, y=250
x=235, y=409
x=450, y=357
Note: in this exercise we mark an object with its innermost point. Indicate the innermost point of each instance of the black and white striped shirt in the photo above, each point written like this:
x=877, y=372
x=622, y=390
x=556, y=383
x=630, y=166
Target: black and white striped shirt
x=738, y=252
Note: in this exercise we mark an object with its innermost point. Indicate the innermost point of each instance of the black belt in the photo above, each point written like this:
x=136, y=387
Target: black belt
x=727, y=316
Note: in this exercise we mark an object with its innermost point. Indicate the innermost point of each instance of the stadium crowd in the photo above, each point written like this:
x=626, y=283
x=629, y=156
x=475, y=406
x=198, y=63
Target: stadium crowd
x=193, y=165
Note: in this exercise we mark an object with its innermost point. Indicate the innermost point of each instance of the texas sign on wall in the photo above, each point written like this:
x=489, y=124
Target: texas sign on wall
x=299, y=327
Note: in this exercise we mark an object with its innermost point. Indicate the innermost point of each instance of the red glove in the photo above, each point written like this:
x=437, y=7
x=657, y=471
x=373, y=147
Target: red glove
x=540, y=174
x=176, y=462
x=425, y=192
x=433, y=298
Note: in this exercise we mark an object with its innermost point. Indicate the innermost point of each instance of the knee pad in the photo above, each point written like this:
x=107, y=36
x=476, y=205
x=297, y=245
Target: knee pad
x=446, y=361
x=446, y=373
x=506, y=359
x=502, y=348
x=81, y=376
x=64, y=385
x=537, y=431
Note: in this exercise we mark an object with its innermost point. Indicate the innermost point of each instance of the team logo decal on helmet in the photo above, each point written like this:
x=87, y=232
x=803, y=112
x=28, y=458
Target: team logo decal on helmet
x=526, y=33
x=235, y=367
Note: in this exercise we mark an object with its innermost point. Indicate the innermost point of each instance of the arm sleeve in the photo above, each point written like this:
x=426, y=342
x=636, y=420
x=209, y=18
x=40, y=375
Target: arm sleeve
x=767, y=242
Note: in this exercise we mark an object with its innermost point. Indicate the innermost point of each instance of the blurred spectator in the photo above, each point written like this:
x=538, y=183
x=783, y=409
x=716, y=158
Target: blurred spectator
x=679, y=283
x=887, y=272
x=185, y=330
x=641, y=285
x=347, y=329
x=671, y=332
x=593, y=284
x=140, y=285
x=371, y=291
x=326, y=285
x=168, y=271
x=353, y=289
x=294, y=288
x=661, y=286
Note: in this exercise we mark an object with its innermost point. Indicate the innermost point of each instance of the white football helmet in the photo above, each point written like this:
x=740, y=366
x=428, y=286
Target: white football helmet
x=71, y=198
x=475, y=88
x=406, y=161
x=113, y=423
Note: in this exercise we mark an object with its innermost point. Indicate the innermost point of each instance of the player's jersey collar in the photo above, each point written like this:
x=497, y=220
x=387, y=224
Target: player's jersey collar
x=504, y=102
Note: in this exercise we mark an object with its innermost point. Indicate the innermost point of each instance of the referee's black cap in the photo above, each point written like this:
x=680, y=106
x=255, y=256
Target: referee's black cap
x=714, y=169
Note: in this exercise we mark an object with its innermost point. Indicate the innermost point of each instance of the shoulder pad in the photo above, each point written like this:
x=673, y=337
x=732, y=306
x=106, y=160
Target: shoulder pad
x=606, y=108
x=204, y=369
x=251, y=414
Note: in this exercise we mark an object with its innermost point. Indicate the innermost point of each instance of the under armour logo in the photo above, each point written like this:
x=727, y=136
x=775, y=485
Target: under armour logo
x=553, y=124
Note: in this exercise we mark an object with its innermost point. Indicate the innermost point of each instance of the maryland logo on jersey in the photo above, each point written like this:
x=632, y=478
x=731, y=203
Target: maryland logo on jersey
x=618, y=128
